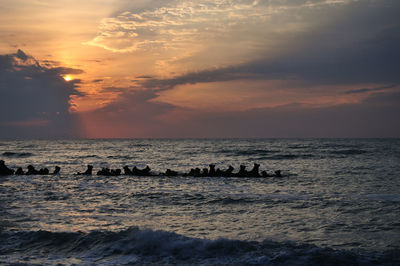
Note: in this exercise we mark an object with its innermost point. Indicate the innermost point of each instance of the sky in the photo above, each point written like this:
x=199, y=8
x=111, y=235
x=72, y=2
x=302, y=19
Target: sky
x=199, y=69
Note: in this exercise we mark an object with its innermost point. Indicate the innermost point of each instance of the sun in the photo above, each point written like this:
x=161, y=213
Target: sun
x=67, y=78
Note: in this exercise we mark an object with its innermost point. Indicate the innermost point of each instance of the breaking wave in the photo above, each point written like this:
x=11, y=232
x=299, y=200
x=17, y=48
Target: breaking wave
x=136, y=246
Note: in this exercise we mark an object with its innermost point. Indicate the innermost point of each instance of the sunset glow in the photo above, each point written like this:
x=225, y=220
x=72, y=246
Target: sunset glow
x=147, y=68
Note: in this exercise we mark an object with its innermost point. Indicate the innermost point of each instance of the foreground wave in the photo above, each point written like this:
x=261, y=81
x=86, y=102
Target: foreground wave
x=136, y=246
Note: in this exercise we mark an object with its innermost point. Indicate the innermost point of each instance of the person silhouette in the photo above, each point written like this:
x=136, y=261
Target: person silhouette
x=254, y=171
x=4, y=170
x=56, y=170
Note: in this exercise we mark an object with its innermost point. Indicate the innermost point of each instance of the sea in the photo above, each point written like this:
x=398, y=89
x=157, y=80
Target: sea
x=336, y=203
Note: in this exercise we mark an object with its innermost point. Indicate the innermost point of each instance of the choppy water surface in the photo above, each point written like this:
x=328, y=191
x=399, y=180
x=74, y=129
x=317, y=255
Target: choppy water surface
x=339, y=200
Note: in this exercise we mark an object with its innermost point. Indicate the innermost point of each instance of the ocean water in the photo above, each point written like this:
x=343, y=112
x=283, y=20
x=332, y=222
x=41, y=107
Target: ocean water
x=338, y=202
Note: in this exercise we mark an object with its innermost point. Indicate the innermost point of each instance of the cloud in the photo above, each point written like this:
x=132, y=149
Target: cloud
x=170, y=25
x=323, y=44
x=137, y=114
x=364, y=90
x=375, y=117
x=358, y=45
x=176, y=24
x=34, y=100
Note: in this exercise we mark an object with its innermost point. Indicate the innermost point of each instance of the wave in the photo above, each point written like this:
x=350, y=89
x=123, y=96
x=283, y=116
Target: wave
x=243, y=199
x=135, y=246
x=230, y=200
x=267, y=154
x=121, y=157
x=287, y=157
x=17, y=154
x=86, y=156
x=382, y=197
x=348, y=152
x=247, y=152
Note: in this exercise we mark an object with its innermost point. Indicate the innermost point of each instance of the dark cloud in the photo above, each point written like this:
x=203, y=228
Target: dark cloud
x=34, y=100
x=358, y=44
x=97, y=80
x=363, y=90
x=21, y=55
x=65, y=70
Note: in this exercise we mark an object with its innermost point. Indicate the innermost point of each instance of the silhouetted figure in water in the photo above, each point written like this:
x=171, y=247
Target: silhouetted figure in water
x=278, y=173
x=56, y=170
x=104, y=171
x=170, y=172
x=146, y=171
x=141, y=172
x=197, y=172
x=88, y=170
x=32, y=170
x=127, y=171
x=228, y=172
x=136, y=171
x=43, y=171
x=254, y=171
x=242, y=171
x=115, y=172
x=212, y=170
x=4, y=170
x=205, y=172
x=191, y=172
x=19, y=171
x=265, y=174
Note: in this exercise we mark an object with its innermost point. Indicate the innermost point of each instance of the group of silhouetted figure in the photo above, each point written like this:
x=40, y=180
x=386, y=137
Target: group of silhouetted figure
x=194, y=172
x=4, y=170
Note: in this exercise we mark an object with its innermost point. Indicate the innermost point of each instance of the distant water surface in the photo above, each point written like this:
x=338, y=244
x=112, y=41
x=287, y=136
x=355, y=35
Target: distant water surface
x=338, y=197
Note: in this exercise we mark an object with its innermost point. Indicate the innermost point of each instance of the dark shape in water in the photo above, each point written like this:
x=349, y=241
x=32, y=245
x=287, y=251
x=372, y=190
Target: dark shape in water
x=108, y=172
x=44, y=171
x=4, y=170
x=205, y=172
x=212, y=171
x=229, y=171
x=254, y=171
x=32, y=170
x=265, y=174
x=88, y=170
x=16, y=154
x=56, y=170
x=191, y=173
x=19, y=171
x=115, y=172
x=242, y=171
x=195, y=172
x=170, y=172
x=104, y=171
x=127, y=171
x=141, y=172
